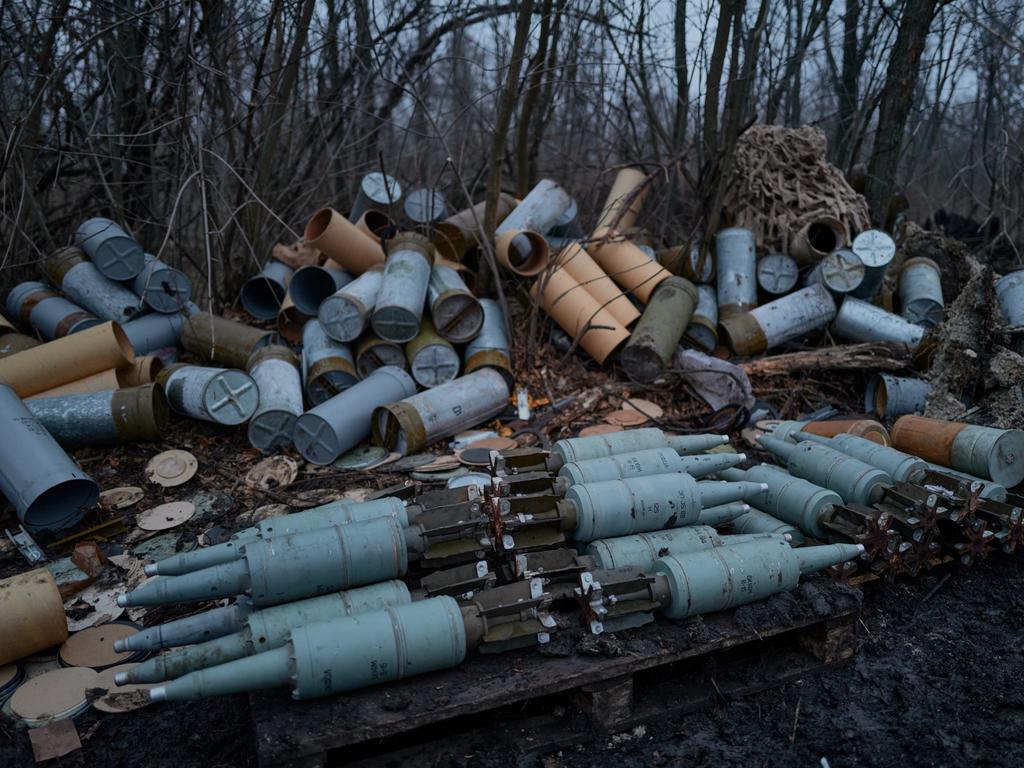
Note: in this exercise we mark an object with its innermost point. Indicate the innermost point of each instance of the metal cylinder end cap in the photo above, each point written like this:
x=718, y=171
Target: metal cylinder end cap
x=743, y=333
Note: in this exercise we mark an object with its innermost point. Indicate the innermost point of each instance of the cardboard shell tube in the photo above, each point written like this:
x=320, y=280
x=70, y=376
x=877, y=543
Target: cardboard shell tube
x=575, y=260
x=929, y=439
x=522, y=251
x=626, y=264
x=339, y=239
x=290, y=321
x=623, y=204
x=461, y=231
x=866, y=428
x=33, y=615
x=374, y=224
x=817, y=239
x=577, y=312
x=67, y=359
x=112, y=378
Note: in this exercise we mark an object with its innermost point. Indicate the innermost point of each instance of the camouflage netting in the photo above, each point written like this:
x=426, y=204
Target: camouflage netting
x=781, y=181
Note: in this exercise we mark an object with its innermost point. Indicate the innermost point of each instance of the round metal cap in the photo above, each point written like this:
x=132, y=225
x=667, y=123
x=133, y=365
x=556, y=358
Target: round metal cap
x=458, y=317
x=272, y=429
x=169, y=515
x=171, y=468
x=315, y=439
x=376, y=186
x=874, y=248
x=474, y=456
x=1006, y=460
x=167, y=290
x=376, y=356
x=326, y=385
x=343, y=318
x=396, y=324
x=120, y=498
x=434, y=365
x=425, y=206
x=231, y=397
x=924, y=312
x=777, y=274
x=115, y=254
x=363, y=457
x=842, y=271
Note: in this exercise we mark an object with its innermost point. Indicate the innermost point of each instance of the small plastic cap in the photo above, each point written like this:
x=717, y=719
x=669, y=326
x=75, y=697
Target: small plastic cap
x=121, y=678
x=122, y=601
x=158, y=694
x=151, y=569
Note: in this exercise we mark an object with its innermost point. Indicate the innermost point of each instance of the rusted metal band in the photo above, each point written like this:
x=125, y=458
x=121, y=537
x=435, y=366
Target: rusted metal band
x=64, y=326
x=60, y=262
x=140, y=413
x=31, y=300
x=398, y=417
x=327, y=364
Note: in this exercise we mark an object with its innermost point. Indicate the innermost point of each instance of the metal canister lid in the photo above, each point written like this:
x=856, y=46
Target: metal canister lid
x=167, y=289
x=374, y=353
x=164, y=516
x=777, y=274
x=874, y=247
x=457, y=316
x=272, y=429
x=434, y=364
x=842, y=271
x=231, y=397
x=425, y=206
x=380, y=188
x=55, y=695
x=115, y=254
x=343, y=317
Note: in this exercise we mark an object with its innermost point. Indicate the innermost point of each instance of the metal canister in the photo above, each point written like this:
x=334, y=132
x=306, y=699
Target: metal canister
x=490, y=348
x=327, y=365
x=702, y=332
x=345, y=315
x=993, y=454
x=399, y=308
x=790, y=317
x=275, y=369
x=876, y=251
x=1010, y=294
x=888, y=396
x=263, y=294
x=216, y=339
x=519, y=238
x=50, y=314
x=920, y=292
x=425, y=206
x=153, y=331
x=219, y=395
x=373, y=352
x=736, y=263
x=684, y=260
x=777, y=275
x=841, y=272
x=83, y=283
x=433, y=361
x=116, y=255
x=657, y=333
x=568, y=224
x=858, y=320
x=311, y=285
x=456, y=312
x=376, y=190
x=129, y=415
x=161, y=287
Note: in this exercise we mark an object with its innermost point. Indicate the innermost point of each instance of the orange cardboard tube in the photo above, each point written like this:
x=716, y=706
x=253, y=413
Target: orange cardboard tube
x=33, y=615
x=626, y=264
x=67, y=359
x=622, y=207
x=339, y=239
x=142, y=371
x=374, y=223
x=522, y=251
x=577, y=312
x=575, y=260
x=866, y=428
x=929, y=439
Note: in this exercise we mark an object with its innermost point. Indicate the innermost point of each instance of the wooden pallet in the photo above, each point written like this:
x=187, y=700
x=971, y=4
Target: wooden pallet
x=664, y=668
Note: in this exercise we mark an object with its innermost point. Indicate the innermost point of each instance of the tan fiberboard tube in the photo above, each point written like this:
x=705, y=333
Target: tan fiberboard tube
x=339, y=239
x=575, y=260
x=626, y=182
x=67, y=359
x=572, y=307
x=626, y=264
x=142, y=371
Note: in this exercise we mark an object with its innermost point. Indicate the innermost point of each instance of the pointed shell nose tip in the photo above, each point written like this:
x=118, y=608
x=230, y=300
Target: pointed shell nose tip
x=122, y=601
x=151, y=569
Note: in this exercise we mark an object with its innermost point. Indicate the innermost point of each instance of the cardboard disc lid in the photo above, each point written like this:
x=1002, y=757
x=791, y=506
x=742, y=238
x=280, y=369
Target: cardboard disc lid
x=474, y=456
x=495, y=443
x=121, y=698
x=120, y=498
x=54, y=695
x=11, y=676
x=646, y=407
x=624, y=418
x=599, y=429
x=94, y=647
x=166, y=516
x=171, y=468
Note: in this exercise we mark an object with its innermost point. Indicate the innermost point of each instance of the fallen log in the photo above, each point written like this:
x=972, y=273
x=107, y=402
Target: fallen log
x=871, y=356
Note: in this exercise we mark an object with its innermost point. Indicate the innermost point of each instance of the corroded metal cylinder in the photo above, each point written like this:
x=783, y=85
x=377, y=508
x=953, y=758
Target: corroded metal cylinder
x=777, y=275
x=456, y=312
x=490, y=347
x=433, y=361
x=341, y=423
x=377, y=191
x=791, y=317
x=656, y=335
x=161, y=287
x=702, y=332
x=888, y=396
x=520, y=245
x=130, y=415
x=311, y=285
x=399, y=308
x=216, y=339
x=841, y=272
x=83, y=283
x=993, y=454
x=920, y=292
x=50, y=314
x=263, y=294
x=736, y=264
x=684, y=261
x=373, y=353
x=328, y=368
x=876, y=251
x=425, y=206
x=275, y=369
x=345, y=315
x=219, y=395
x=153, y=331
x=419, y=420
x=1010, y=294
x=46, y=488
x=858, y=320
x=816, y=240
x=116, y=255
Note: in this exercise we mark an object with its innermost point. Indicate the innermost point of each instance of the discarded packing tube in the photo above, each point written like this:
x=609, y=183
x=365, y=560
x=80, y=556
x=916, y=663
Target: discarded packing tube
x=776, y=275
x=197, y=628
x=490, y=348
x=598, y=446
x=736, y=264
x=754, y=521
x=290, y=567
x=702, y=332
x=457, y=314
x=311, y=285
x=920, y=292
x=263, y=293
x=267, y=629
x=130, y=415
x=841, y=272
x=858, y=320
x=345, y=315
x=375, y=224
x=579, y=314
x=457, y=234
x=642, y=504
x=684, y=260
x=854, y=480
x=341, y=655
x=116, y=255
x=1010, y=295
x=339, y=424
x=71, y=358
x=143, y=370
x=49, y=313
x=900, y=466
x=342, y=242
x=433, y=361
x=161, y=287
x=335, y=513
x=154, y=331
x=876, y=250
x=791, y=317
x=653, y=461
x=626, y=263
x=221, y=395
x=377, y=191
x=816, y=240
x=215, y=339
x=83, y=283
x=425, y=206
x=625, y=200
x=12, y=342
x=275, y=370
x=788, y=499
x=866, y=428
x=989, y=453
x=582, y=268
x=724, y=577
x=642, y=550
x=889, y=396
x=399, y=308
x=657, y=334
x=373, y=352
x=34, y=620
x=519, y=242
x=46, y=488
x=328, y=368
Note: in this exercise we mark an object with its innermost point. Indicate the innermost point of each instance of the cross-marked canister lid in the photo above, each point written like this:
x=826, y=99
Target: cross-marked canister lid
x=457, y=317
x=94, y=647
x=343, y=317
x=167, y=290
x=874, y=248
x=434, y=365
x=425, y=206
x=231, y=397
x=377, y=353
x=363, y=457
x=272, y=429
x=171, y=468
x=396, y=324
x=55, y=695
x=316, y=439
x=777, y=273
x=926, y=312
x=115, y=254
x=380, y=188
x=842, y=271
